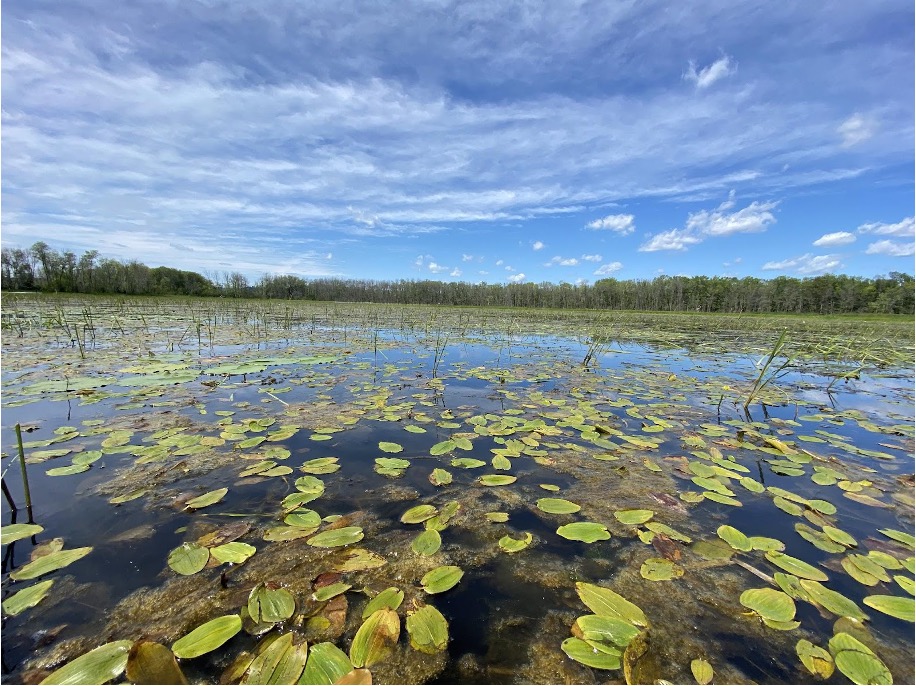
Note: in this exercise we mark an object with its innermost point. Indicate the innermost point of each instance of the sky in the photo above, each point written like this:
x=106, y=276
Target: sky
x=493, y=141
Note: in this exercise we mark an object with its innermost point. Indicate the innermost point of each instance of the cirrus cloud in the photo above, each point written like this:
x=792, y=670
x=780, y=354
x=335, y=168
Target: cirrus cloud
x=806, y=264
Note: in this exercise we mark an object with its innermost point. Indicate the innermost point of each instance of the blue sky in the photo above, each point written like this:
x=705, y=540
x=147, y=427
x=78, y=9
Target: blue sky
x=480, y=141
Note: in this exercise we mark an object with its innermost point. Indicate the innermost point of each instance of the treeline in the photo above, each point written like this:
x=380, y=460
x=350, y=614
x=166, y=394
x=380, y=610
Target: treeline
x=41, y=268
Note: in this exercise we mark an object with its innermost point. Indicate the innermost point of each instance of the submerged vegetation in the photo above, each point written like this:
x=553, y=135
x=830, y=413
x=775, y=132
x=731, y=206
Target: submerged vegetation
x=40, y=268
x=251, y=491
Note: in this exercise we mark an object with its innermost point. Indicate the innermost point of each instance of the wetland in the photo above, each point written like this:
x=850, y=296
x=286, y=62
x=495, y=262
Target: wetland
x=241, y=491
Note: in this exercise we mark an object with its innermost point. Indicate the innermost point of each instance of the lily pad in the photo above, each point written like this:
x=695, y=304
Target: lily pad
x=98, y=666
x=584, y=652
x=267, y=604
x=427, y=543
x=330, y=591
x=734, y=538
x=391, y=598
x=605, y=629
x=235, y=553
x=815, y=659
x=418, y=514
x=442, y=447
x=769, y=604
x=321, y=465
x=16, y=532
x=428, y=630
x=497, y=517
x=152, y=663
x=375, y=638
x=857, y=661
x=793, y=565
x=188, y=558
x=49, y=563
x=326, y=665
x=497, y=479
x=895, y=606
x=467, y=463
x=660, y=569
x=303, y=518
x=514, y=545
x=337, y=537
x=68, y=471
x=388, y=447
x=702, y=671
x=832, y=601
x=27, y=597
x=606, y=603
x=440, y=477
x=207, y=637
x=633, y=517
x=557, y=506
x=441, y=579
x=206, y=499
x=587, y=532
x=280, y=662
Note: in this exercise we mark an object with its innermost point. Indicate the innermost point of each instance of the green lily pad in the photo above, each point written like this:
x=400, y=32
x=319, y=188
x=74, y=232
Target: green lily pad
x=584, y=652
x=309, y=485
x=815, y=659
x=497, y=517
x=391, y=466
x=49, y=563
x=337, y=537
x=375, y=638
x=16, y=532
x=331, y=591
x=497, y=480
x=235, y=552
x=467, y=463
x=702, y=671
x=27, y=597
x=857, y=661
x=321, y=465
x=557, y=506
x=832, y=601
x=68, y=471
x=188, y=558
x=673, y=534
x=418, y=514
x=839, y=536
x=765, y=544
x=793, y=565
x=388, y=447
x=734, y=538
x=587, y=532
x=428, y=630
x=440, y=477
x=895, y=606
x=326, y=665
x=280, y=662
x=769, y=604
x=899, y=536
x=549, y=487
x=605, y=630
x=303, y=518
x=270, y=605
x=514, y=545
x=427, y=543
x=606, y=603
x=98, y=666
x=633, y=517
x=442, y=447
x=207, y=637
x=206, y=499
x=391, y=598
x=441, y=579
x=660, y=569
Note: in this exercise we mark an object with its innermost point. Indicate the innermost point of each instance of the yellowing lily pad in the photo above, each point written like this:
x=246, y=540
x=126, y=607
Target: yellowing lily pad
x=514, y=545
x=660, y=569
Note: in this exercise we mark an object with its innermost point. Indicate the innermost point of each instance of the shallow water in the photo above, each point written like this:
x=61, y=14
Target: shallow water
x=507, y=617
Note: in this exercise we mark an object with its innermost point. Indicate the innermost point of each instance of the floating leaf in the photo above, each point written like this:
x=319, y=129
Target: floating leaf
x=633, y=517
x=188, y=558
x=734, y=538
x=442, y=447
x=321, y=465
x=428, y=630
x=427, y=543
x=660, y=569
x=764, y=543
x=270, y=605
x=303, y=518
x=769, y=604
x=68, y=471
x=418, y=514
x=280, y=662
x=206, y=499
x=584, y=652
x=440, y=477
x=27, y=597
x=359, y=559
x=606, y=603
x=153, y=663
x=235, y=553
x=16, y=532
x=497, y=517
x=905, y=538
x=391, y=598
x=337, y=537
x=587, y=532
x=207, y=637
x=660, y=528
x=815, y=659
x=832, y=601
x=549, y=487
x=497, y=479
x=702, y=671
x=514, y=545
x=857, y=661
x=818, y=539
x=387, y=447
x=376, y=638
x=467, y=463
x=330, y=591
x=326, y=665
x=98, y=666
x=605, y=630
x=49, y=563
x=441, y=579
x=895, y=606
x=794, y=566
x=905, y=583
x=557, y=506
x=310, y=486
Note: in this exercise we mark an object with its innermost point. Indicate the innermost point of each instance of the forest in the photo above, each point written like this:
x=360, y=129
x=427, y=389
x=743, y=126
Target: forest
x=41, y=268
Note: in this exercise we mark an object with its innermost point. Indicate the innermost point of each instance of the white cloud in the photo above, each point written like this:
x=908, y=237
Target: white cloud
x=562, y=261
x=499, y=263
x=890, y=248
x=329, y=256
x=436, y=268
x=466, y=258
x=483, y=272
x=619, y=223
x=855, y=130
x=537, y=245
x=509, y=268
x=607, y=269
x=806, y=264
x=455, y=272
x=517, y=278
x=704, y=224
x=836, y=238
x=592, y=258
x=709, y=75
x=905, y=227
